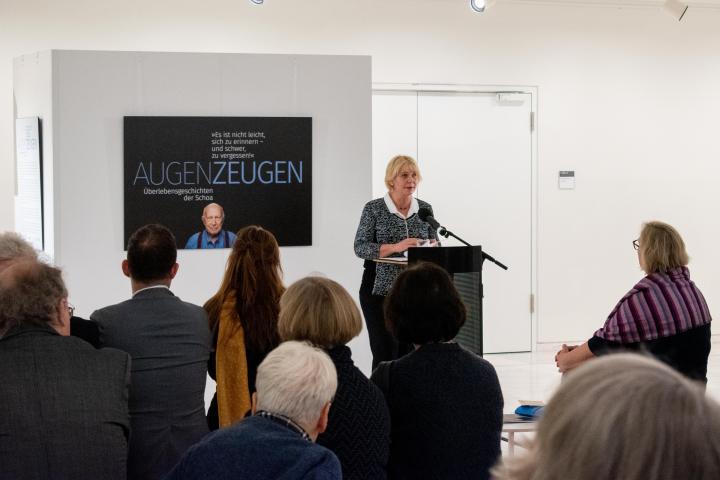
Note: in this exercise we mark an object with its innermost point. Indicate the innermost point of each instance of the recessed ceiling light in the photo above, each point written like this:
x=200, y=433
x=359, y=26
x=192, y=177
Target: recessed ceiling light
x=478, y=5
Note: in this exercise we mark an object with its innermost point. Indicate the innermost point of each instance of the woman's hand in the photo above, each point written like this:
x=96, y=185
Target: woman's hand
x=571, y=356
x=565, y=349
x=388, y=249
x=403, y=245
x=561, y=358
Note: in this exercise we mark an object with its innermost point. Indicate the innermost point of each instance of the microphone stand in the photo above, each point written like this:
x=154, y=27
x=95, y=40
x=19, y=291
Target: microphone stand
x=447, y=233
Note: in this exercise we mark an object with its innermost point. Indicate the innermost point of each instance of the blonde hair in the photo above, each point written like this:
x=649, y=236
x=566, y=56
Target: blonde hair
x=320, y=311
x=395, y=166
x=624, y=416
x=662, y=247
x=296, y=380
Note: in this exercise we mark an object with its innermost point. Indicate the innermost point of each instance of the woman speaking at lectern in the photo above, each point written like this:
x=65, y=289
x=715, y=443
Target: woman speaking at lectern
x=388, y=227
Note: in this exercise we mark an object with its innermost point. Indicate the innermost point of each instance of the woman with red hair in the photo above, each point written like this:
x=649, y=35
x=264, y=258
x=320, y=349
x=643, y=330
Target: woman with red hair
x=243, y=317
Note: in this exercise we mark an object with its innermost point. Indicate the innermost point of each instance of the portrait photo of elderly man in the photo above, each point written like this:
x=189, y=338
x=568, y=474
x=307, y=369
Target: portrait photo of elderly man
x=212, y=235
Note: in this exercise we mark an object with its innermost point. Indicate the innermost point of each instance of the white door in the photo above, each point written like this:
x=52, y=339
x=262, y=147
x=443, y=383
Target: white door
x=475, y=154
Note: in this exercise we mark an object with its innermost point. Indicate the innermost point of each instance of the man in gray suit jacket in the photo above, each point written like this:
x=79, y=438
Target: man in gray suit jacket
x=169, y=342
x=63, y=404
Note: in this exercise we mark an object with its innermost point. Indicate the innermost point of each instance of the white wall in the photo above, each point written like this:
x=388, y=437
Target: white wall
x=627, y=97
x=93, y=91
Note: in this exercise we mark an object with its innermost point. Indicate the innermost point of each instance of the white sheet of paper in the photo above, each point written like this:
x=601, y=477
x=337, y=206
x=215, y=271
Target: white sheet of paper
x=28, y=201
x=566, y=180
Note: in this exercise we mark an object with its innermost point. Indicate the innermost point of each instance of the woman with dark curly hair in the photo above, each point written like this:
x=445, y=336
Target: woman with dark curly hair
x=243, y=317
x=445, y=402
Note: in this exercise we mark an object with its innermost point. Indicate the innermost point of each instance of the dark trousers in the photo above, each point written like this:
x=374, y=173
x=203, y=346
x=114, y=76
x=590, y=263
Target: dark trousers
x=383, y=345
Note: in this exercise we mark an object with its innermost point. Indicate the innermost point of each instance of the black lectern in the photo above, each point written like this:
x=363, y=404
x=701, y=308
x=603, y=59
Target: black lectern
x=465, y=267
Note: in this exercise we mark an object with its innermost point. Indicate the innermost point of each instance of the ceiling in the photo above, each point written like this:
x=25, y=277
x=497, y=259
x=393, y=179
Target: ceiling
x=713, y=4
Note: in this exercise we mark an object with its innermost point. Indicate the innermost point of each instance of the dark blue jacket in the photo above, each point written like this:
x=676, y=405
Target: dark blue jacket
x=257, y=448
x=446, y=409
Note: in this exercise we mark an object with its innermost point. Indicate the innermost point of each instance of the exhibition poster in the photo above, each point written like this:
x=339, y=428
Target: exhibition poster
x=206, y=177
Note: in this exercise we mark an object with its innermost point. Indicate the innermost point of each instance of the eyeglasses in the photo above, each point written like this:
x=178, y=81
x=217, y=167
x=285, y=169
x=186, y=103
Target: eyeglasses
x=70, y=309
x=636, y=245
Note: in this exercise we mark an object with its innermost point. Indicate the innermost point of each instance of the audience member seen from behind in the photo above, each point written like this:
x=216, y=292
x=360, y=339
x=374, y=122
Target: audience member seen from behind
x=169, y=342
x=445, y=402
x=627, y=417
x=664, y=313
x=295, y=385
x=320, y=311
x=63, y=404
x=243, y=317
x=12, y=248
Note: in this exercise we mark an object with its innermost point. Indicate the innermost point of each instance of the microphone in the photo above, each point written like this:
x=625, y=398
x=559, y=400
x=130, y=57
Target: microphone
x=425, y=214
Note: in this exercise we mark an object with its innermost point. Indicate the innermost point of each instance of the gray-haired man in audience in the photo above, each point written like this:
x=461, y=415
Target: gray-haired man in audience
x=13, y=247
x=63, y=404
x=295, y=385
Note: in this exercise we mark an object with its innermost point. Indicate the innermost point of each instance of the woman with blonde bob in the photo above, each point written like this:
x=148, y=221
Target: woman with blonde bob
x=664, y=314
x=243, y=318
x=626, y=417
x=320, y=311
x=388, y=227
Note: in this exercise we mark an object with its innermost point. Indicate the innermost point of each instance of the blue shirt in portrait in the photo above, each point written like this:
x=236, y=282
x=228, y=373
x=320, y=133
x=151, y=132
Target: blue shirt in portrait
x=224, y=239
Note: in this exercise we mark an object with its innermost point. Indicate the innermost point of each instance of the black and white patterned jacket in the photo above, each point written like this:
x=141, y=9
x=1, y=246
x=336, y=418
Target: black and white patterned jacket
x=381, y=224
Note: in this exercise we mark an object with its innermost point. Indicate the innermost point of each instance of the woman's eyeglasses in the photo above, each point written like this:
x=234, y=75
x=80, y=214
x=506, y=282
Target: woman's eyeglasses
x=636, y=245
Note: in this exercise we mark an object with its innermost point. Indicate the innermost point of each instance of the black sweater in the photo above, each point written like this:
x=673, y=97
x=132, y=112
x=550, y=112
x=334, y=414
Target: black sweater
x=446, y=410
x=686, y=352
x=358, y=430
